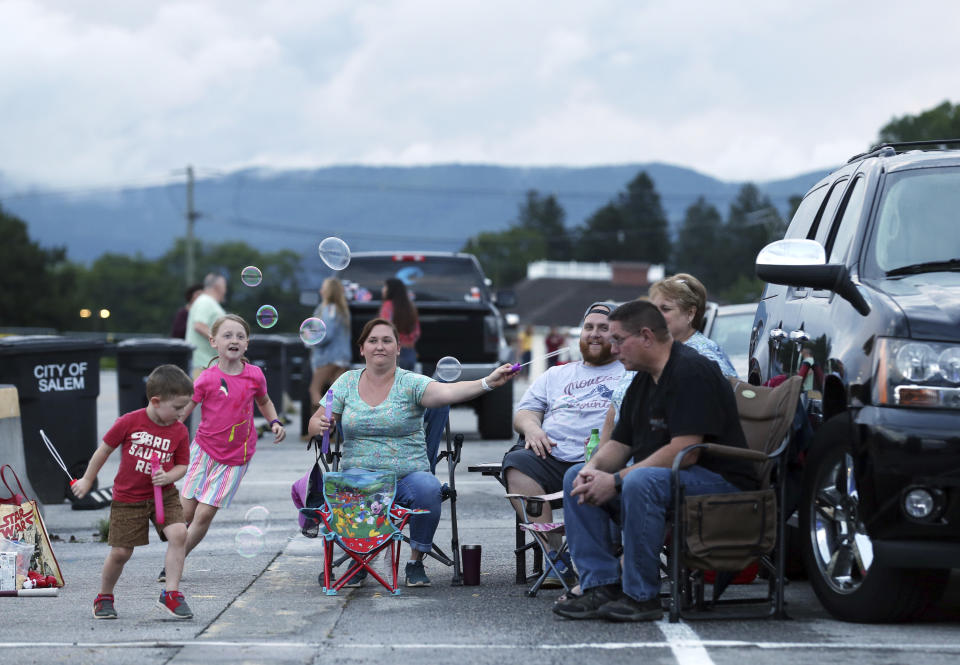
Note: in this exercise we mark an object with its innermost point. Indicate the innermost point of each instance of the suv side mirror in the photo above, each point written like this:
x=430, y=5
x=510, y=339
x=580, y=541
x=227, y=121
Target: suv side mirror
x=505, y=298
x=803, y=263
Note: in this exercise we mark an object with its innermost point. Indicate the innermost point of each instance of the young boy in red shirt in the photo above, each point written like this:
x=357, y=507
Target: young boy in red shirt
x=140, y=433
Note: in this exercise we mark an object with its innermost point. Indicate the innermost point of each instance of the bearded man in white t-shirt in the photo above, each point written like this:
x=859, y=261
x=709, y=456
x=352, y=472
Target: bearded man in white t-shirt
x=555, y=417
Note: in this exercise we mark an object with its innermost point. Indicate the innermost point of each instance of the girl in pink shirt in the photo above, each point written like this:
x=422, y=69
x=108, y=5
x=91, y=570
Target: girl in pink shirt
x=226, y=438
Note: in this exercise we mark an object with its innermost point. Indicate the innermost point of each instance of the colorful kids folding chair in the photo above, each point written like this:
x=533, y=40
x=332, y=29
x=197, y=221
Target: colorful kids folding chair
x=436, y=426
x=359, y=516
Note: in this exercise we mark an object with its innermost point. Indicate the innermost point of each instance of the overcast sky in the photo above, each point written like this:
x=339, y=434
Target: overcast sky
x=104, y=92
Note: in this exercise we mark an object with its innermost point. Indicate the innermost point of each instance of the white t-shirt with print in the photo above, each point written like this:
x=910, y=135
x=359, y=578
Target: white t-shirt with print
x=573, y=399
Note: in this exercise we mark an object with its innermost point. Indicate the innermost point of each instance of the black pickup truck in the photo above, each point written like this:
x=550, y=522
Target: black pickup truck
x=458, y=317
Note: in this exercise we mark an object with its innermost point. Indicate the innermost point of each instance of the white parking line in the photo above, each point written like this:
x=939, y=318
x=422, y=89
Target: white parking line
x=925, y=648
x=685, y=644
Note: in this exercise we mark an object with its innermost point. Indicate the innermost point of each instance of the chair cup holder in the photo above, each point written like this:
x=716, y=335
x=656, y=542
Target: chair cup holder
x=534, y=507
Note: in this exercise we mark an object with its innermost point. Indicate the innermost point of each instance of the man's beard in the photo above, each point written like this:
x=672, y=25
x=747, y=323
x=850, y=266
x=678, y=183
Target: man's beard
x=601, y=357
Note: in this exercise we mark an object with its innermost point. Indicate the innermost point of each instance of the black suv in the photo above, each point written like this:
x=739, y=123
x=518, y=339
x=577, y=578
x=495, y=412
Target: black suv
x=863, y=299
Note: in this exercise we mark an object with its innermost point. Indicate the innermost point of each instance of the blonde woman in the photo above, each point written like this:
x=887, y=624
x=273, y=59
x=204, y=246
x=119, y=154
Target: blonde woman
x=331, y=356
x=682, y=299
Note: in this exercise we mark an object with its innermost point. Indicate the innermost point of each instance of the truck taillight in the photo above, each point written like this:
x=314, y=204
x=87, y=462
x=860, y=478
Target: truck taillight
x=419, y=258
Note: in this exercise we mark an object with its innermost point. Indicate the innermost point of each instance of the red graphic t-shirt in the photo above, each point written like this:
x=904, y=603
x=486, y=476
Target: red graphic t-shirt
x=138, y=436
x=226, y=430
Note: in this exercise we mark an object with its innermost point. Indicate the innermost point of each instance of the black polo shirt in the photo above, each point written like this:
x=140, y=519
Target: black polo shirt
x=691, y=398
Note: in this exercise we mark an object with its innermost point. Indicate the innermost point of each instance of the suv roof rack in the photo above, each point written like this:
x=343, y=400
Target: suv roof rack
x=881, y=149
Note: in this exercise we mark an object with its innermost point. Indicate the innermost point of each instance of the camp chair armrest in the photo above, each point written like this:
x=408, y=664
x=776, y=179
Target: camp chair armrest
x=537, y=497
x=533, y=505
x=738, y=453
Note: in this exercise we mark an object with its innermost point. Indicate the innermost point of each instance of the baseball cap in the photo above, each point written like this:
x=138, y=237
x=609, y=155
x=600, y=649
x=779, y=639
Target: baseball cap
x=599, y=307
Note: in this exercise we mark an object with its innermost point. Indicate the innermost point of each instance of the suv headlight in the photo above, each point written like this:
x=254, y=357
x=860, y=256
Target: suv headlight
x=916, y=374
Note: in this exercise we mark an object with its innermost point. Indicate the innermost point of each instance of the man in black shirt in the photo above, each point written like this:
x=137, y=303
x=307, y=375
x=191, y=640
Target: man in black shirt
x=678, y=398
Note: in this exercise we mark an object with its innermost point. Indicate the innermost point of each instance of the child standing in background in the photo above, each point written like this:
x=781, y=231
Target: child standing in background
x=525, y=349
x=226, y=438
x=331, y=356
x=155, y=428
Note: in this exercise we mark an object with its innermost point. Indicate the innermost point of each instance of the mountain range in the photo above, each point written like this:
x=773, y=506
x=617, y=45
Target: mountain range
x=371, y=208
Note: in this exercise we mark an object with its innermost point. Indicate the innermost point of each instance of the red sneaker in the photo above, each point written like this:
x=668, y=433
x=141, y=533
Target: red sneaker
x=103, y=607
x=172, y=602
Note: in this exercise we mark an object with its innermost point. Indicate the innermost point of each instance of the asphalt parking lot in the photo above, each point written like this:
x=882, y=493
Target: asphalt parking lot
x=269, y=608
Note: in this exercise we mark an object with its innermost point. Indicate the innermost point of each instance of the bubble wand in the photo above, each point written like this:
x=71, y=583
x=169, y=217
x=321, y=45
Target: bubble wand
x=56, y=457
x=155, y=468
x=517, y=366
x=328, y=411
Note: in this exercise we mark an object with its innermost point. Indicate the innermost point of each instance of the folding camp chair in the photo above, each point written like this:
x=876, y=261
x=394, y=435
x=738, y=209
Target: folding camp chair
x=436, y=428
x=727, y=532
x=358, y=514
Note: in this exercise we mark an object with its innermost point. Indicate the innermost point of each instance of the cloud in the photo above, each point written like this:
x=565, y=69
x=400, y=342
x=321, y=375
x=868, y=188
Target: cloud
x=112, y=92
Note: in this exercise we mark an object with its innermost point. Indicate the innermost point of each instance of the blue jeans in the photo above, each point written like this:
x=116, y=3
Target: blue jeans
x=642, y=507
x=421, y=489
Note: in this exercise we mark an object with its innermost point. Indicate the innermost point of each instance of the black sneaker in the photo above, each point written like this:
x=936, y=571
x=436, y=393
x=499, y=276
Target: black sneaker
x=626, y=608
x=588, y=605
x=162, y=577
x=415, y=574
x=103, y=607
x=357, y=580
x=173, y=603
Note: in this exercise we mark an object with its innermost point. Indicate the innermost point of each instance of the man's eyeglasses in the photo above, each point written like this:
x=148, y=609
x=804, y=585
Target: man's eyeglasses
x=617, y=340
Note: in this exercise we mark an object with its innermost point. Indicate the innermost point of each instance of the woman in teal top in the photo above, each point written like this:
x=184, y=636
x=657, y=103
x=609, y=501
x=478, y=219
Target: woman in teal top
x=380, y=409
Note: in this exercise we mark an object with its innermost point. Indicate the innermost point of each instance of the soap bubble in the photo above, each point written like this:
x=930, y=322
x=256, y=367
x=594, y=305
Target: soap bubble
x=312, y=331
x=259, y=517
x=251, y=276
x=267, y=316
x=249, y=541
x=448, y=369
x=335, y=253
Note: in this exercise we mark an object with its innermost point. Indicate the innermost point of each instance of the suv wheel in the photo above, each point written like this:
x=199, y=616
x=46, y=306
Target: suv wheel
x=837, y=551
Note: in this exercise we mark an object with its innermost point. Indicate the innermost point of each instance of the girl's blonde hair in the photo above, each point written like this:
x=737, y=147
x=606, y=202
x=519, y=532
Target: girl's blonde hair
x=685, y=290
x=333, y=294
x=215, y=328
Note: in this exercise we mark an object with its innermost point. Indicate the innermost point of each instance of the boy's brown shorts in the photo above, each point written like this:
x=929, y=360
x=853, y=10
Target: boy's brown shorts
x=129, y=521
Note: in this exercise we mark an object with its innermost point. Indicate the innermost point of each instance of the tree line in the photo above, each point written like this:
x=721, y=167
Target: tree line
x=633, y=227
x=42, y=288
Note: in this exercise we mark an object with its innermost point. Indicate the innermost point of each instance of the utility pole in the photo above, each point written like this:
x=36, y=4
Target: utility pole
x=192, y=216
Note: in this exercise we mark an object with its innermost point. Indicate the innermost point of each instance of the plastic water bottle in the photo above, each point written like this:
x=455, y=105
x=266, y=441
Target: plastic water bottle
x=591, y=447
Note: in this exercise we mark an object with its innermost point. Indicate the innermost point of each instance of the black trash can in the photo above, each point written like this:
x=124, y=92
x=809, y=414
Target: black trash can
x=58, y=382
x=268, y=352
x=136, y=358
x=299, y=374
